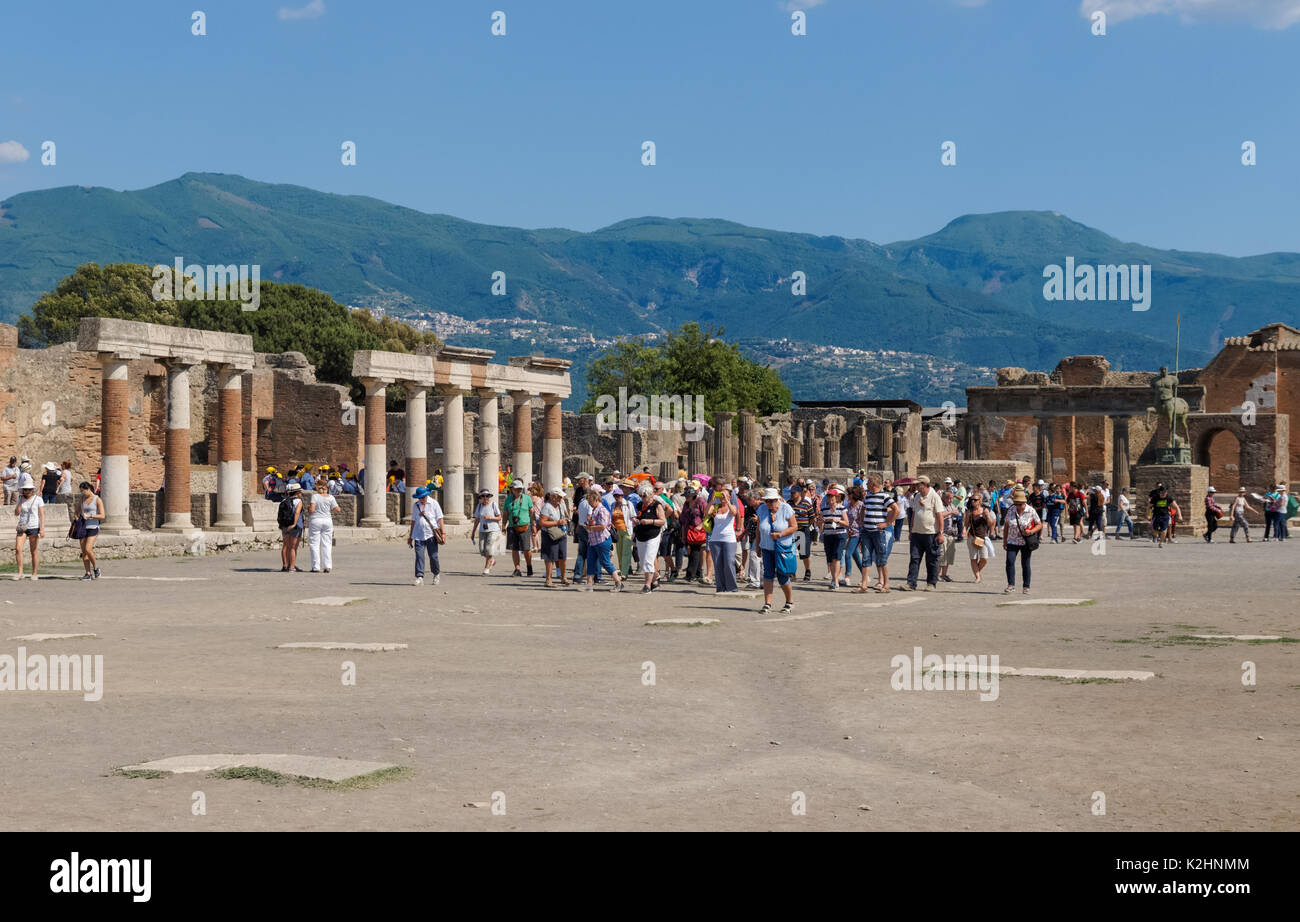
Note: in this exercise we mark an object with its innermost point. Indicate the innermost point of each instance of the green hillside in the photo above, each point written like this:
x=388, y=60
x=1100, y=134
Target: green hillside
x=970, y=293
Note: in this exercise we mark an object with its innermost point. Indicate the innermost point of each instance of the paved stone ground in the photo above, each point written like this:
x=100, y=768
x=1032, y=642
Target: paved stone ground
x=508, y=687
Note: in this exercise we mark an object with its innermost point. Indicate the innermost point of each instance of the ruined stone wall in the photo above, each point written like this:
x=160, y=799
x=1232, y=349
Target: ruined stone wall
x=306, y=423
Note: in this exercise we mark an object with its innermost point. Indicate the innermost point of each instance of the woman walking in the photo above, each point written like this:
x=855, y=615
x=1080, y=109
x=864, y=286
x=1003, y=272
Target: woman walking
x=425, y=534
x=487, y=525
x=90, y=513
x=599, y=540
x=30, y=513
x=538, y=496
x=952, y=521
x=879, y=514
x=50, y=483
x=650, y=521
x=858, y=554
x=722, y=537
x=292, y=532
x=833, y=520
x=1020, y=536
x=776, y=528
x=552, y=519
x=320, y=527
x=65, y=479
x=1074, y=504
x=694, y=537
x=979, y=533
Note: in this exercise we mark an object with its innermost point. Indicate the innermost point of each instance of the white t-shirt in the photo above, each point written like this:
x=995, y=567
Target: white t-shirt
x=65, y=482
x=321, y=507
x=724, y=526
x=488, y=508
x=29, y=514
x=426, y=517
x=6, y=474
x=552, y=511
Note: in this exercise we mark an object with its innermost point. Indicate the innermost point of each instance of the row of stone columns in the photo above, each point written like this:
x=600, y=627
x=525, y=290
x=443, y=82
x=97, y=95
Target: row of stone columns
x=1121, y=475
x=115, y=463
x=375, y=503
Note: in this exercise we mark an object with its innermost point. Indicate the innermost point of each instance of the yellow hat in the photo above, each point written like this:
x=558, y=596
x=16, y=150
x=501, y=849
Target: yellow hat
x=270, y=470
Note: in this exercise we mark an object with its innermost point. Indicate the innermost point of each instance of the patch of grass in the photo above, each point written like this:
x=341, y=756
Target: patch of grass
x=276, y=779
x=1187, y=640
x=1279, y=640
x=1065, y=681
x=149, y=773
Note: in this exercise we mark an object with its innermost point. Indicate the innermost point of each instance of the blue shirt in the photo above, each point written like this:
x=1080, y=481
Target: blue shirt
x=308, y=482
x=767, y=521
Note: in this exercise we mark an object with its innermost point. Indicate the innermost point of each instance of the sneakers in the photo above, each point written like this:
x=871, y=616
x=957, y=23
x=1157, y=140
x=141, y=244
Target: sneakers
x=530, y=570
x=88, y=576
x=517, y=573
x=645, y=590
x=766, y=609
x=419, y=581
x=96, y=572
x=929, y=587
x=436, y=580
x=487, y=570
x=807, y=576
x=1009, y=590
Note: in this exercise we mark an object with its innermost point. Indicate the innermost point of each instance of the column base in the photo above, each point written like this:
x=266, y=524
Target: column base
x=176, y=524
x=231, y=526
x=120, y=531
x=375, y=521
x=451, y=519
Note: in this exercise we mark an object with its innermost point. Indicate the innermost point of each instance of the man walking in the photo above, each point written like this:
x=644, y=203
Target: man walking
x=1212, y=512
x=924, y=536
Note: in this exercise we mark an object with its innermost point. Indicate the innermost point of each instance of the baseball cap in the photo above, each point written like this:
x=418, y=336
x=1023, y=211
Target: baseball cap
x=485, y=492
x=517, y=485
x=1211, y=490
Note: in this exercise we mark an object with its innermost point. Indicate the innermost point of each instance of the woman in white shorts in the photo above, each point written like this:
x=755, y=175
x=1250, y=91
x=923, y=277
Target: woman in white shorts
x=30, y=513
x=647, y=528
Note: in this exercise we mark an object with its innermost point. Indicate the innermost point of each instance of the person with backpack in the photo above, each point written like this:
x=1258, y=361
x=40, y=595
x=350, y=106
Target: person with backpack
x=289, y=518
x=487, y=525
x=1074, y=509
x=320, y=527
x=694, y=509
x=425, y=534
x=519, y=525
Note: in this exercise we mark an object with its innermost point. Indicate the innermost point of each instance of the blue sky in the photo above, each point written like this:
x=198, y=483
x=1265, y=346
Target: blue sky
x=1137, y=133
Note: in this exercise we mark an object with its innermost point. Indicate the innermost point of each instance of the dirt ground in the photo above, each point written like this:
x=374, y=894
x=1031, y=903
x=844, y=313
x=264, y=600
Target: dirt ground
x=539, y=694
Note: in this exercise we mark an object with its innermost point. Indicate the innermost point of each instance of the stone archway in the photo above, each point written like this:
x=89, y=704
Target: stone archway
x=1219, y=450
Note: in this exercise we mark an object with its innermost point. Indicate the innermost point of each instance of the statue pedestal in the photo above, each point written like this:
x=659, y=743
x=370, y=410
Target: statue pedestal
x=1180, y=455
x=1187, y=485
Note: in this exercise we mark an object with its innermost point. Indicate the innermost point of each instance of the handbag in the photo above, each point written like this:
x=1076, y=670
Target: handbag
x=976, y=541
x=696, y=536
x=787, y=563
x=555, y=532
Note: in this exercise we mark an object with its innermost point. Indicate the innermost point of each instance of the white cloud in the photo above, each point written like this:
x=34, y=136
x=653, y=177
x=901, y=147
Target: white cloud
x=1266, y=14
x=313, y=10
x=12, y=152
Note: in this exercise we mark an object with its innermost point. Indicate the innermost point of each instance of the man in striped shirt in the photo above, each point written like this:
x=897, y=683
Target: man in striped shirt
x=804, y=508
x=879, y=511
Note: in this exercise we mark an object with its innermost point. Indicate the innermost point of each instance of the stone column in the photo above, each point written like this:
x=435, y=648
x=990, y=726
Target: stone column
x=971, y=439
x=887, y=447
x=748, y=456
x=695, y=456
x=832, y=450
x=900, y=452
x=1044, y=459
x=115, y=456
x=252, y=476
x=489, y=440
x=816, y=449
x=626, y=451
x=722, y=439
x=375, y=500
x=767, y=468
x=176, y=450
x=860, y=451
x=1120, y=476
x=553, y=442
x=453, y=455
x=230, y=445
x=793, y=452
x=417, y=436
x=523, y=438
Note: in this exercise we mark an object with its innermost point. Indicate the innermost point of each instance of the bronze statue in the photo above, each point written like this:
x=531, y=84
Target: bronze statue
x=1170, y=406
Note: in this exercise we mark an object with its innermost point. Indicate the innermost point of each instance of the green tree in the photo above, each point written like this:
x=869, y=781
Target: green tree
x=123, y=292
x=692, y=360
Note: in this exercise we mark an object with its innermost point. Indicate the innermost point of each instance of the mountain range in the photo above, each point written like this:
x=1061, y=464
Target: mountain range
x=917, y=319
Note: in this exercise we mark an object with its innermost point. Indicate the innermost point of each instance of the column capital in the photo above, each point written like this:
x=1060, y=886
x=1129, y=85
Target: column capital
x=114, y=358
x=487, y=393
x=369, y=383
x=451, y=390
x=551, y=400
x=518, y=395
x=181, y=362
x=414, y=387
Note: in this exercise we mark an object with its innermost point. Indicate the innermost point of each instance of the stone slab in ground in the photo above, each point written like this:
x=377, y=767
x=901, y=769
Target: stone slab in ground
x=1115, y=675
x=687, y=622
x=1237, y=636
x=299, y=766
x=38, y=638
x=331, y=600
x=1047, y=602
x=341, y=645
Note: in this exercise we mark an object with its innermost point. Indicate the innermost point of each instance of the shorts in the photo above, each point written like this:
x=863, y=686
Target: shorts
x=879, y=543
x=28, y=532
x=518, y=540
x=1160, y=523
x=554, y=549
x=980, y=553
x=295, y=532
x=834, y=543
x=486, y=541
x=769, y=570
x=804, y=542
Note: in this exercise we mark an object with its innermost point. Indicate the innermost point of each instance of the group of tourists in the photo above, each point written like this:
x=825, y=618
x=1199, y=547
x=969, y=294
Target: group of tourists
x=339, y=480
x=29, y=502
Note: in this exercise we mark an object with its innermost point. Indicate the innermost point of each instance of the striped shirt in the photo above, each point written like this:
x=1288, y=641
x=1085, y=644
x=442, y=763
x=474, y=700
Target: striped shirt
x=803, y=511
x=876, y=508
x=832, y=509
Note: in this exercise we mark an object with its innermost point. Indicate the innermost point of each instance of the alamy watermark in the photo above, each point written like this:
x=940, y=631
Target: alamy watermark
x=179, y=282
x=932, y=672
x=1098, y=283
x=57, y=672
x=659, y=412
